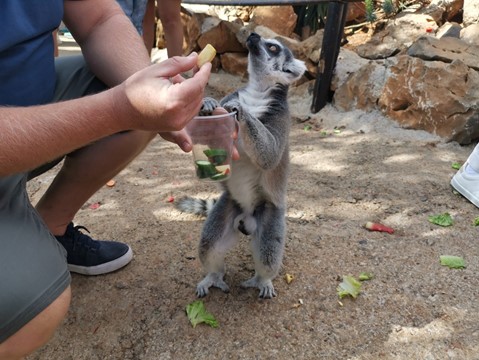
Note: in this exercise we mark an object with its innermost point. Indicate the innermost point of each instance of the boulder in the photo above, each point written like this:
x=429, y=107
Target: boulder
x=449, y=30
x=397, y=35
x=362, y=88
x=280, y=19
x=470, y=34
x=470, y=12
x=235, y=63
x=441, y=98
x=446, y=49
x=221, y=34
x=434, y=96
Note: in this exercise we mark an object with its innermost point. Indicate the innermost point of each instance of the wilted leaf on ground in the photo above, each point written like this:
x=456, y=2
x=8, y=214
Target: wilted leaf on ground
x=365, y=276
x=197, y=314
x=441, y=219
x=456, y=165
x=349, y=286
x=453, y=262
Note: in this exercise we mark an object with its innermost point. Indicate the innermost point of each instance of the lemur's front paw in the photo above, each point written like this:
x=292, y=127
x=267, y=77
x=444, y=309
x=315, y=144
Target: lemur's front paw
x=266, y=288
x=233, y=106
x=209, y=105
x=212, y=279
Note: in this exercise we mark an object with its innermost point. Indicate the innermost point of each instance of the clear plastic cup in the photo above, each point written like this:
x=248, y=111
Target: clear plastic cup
x=212, y=138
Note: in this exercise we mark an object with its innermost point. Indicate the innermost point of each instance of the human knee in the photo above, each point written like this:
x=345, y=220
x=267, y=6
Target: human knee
x=38, y=331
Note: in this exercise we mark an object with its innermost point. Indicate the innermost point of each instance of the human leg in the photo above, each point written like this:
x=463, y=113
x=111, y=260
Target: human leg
x=35, y=282
x=149, y=28
x=84, y=172
x=169, y=12
x=466, y=180
x=38, y=331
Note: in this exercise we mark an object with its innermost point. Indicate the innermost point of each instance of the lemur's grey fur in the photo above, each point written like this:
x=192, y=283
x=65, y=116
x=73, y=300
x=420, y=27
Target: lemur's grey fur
x=254, y=197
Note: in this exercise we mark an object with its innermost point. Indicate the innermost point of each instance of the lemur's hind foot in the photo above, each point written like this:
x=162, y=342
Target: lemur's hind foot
x=265, y=286
x=212, y=279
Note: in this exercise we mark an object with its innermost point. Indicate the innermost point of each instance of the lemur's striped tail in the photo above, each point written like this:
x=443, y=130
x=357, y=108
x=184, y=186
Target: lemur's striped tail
x=195, y=206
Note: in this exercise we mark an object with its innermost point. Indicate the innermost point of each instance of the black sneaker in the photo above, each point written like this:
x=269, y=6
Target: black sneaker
x=93, y=257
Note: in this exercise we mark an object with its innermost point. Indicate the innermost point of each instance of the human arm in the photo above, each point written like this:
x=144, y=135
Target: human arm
x=148, y=100
x=112, y=47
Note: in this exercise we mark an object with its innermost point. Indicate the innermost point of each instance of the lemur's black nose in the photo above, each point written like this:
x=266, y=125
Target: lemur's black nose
x=254, y=37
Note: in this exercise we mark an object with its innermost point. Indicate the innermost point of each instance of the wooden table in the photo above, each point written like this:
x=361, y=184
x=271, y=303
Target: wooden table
x=333, y=33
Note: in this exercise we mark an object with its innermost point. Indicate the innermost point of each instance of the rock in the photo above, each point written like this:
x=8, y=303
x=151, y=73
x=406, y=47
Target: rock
x=235, y=63
x=470, y=12
x=348, y=63
x=362, y=89
x=356, y=12
x=191, y=31
x=449, y=29
x=433, y=96
x=446, y=49
x=470, y=34
x=398, y=34
x=443, y=10
x=310, y=48
x=280, y=19
x=222, y=35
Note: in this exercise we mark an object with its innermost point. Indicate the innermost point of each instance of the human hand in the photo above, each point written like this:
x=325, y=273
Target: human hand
x=179, y=138
x=159, y=99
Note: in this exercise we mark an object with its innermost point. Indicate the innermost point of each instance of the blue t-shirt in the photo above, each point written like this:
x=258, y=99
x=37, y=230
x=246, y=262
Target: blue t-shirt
x=27, y=71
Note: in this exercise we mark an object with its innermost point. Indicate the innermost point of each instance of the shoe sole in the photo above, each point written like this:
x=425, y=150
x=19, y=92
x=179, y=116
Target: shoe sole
x=103, y=268
x=464, y=192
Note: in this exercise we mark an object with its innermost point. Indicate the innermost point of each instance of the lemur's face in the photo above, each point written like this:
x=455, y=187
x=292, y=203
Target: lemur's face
x=270, y=60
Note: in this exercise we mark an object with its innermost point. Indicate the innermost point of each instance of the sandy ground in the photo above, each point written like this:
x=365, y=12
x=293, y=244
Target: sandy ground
x=368, y=169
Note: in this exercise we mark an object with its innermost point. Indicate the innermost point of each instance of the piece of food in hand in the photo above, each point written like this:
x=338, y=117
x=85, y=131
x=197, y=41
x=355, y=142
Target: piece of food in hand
x=206, y=55
x=378, y=227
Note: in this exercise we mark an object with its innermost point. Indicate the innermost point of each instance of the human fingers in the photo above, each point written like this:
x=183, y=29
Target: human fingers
x=179, y=138
x=175, y=65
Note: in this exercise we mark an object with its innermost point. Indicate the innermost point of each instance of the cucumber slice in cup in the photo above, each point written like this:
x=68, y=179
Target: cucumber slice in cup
x=216, y=156
x=205, y=169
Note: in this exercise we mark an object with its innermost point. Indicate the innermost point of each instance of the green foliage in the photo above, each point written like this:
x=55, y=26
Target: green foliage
x=388, y=7
x=453, y=262
x=441, y=219
x=197, y=314
x=370, y=15
x=312, y=16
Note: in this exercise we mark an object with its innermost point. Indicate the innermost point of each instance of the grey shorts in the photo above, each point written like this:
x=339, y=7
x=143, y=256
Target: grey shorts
x=33, y=267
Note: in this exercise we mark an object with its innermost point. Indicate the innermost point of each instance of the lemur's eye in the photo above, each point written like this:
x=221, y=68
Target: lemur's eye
x=272, y=47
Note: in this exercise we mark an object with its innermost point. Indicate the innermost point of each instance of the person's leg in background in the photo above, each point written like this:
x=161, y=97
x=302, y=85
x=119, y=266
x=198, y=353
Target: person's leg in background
x=149, y=28
x=466, y=180
x=169, y=12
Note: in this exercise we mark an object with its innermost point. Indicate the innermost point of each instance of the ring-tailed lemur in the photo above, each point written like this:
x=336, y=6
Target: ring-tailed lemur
x=254, y=197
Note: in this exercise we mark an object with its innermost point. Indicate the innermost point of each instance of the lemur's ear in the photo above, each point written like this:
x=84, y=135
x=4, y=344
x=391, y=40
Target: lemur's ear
x=294, y=69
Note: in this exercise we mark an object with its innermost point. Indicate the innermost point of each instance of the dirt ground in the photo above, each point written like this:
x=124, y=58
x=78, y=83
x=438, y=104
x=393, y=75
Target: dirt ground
x=369, y=169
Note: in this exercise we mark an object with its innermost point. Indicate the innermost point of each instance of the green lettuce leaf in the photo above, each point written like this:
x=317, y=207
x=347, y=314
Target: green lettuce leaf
x=197, y=314
x=441, y=219
x=456, y=165
x=453, y=262
x=364, y=276
x=349, y=286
